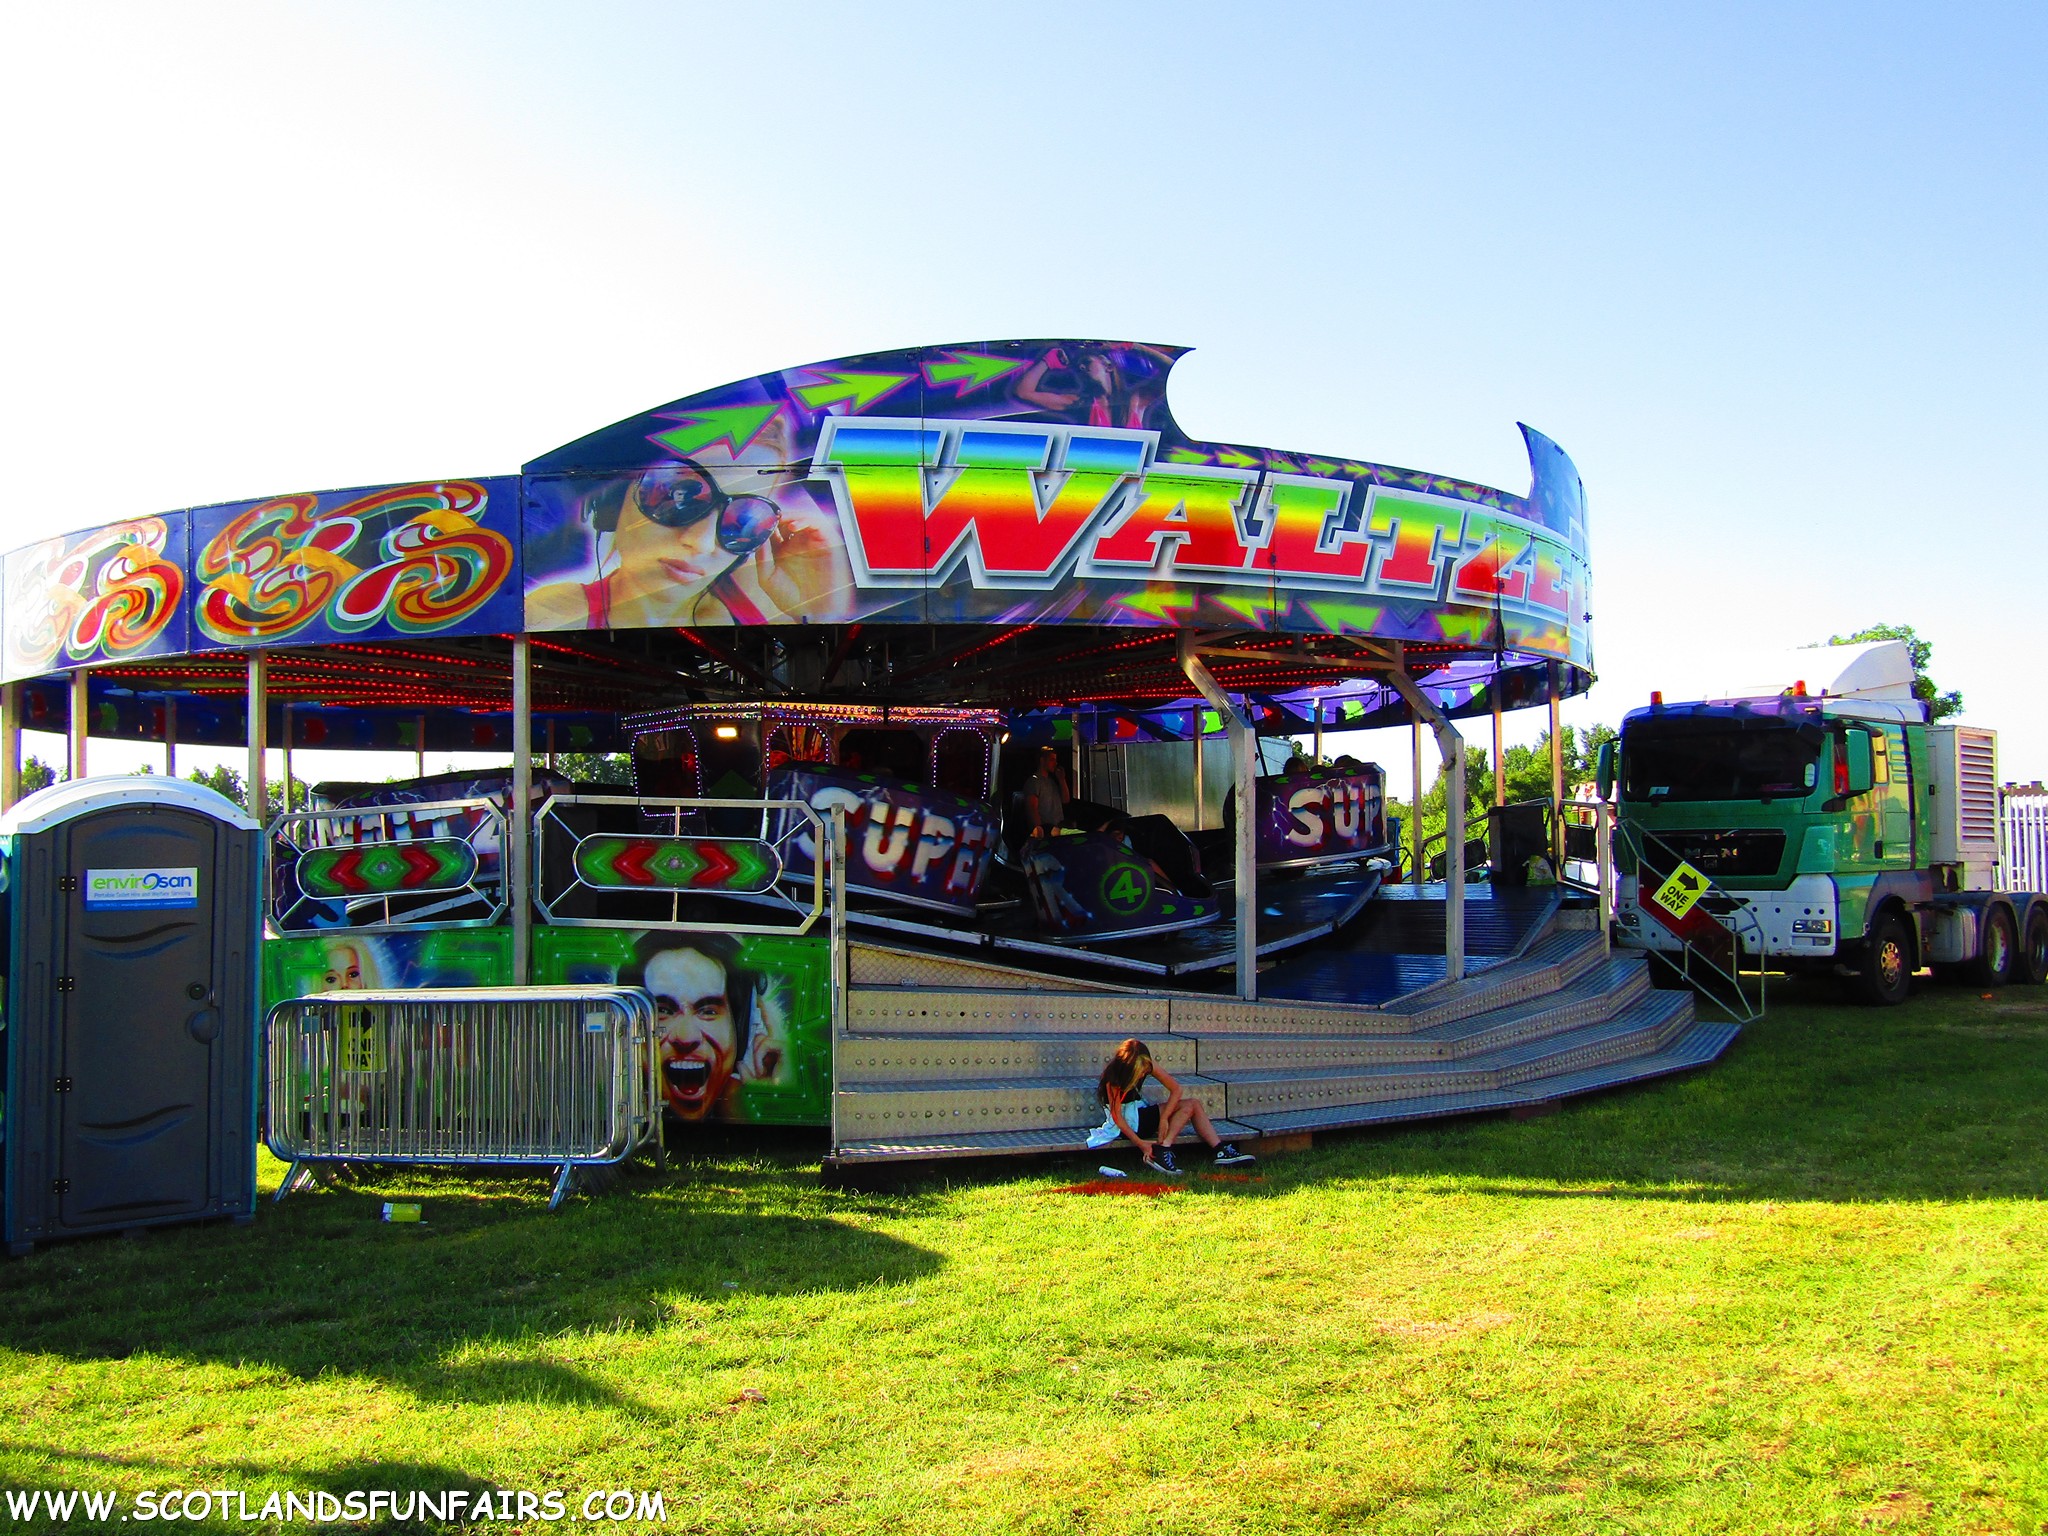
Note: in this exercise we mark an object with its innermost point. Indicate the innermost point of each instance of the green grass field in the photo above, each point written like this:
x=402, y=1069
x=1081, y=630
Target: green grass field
x=1801, y=1291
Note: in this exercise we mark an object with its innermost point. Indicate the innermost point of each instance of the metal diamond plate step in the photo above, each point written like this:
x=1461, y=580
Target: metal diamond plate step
x=1551, y=963
x=1642, y=1028
x=879, y=1011
x=1696, y=1047
x=882, y=965
x=872, y=1060
x=1597, y=994
x=1010, y=1144
x=1008, y=1104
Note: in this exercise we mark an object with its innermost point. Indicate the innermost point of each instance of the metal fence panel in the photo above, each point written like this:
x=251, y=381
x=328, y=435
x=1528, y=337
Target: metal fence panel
x=561, y=1077
x=2026, y=842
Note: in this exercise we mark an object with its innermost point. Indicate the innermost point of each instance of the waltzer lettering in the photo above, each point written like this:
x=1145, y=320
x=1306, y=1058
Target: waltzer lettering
x=1028, y=506
x=1301, y=543
x=1194, y=515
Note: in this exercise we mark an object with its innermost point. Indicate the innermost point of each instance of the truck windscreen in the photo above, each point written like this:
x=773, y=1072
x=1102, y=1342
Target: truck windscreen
x=1718, y=759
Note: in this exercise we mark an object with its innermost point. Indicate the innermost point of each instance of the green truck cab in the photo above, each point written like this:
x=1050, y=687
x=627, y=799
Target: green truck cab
x=1840, y=831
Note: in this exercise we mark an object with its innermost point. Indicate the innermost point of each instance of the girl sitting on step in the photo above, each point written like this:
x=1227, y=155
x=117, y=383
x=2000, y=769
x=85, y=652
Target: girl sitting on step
x=1153, y=1128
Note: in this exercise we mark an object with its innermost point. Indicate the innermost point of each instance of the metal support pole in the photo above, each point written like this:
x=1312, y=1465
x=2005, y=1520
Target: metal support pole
x=1317, y=705
x=1450, y=747
x=837, y=957
x=1556, y=778
x=1415, y=803
x=519, y=824
x=287, y=747
x=419, y=746
x=551, y=743
x=170, y=735
x=1195, y=735
x=259, y=724
x=10, y=745
x=80, y=722
x=1603, y=829
x=1244, y=756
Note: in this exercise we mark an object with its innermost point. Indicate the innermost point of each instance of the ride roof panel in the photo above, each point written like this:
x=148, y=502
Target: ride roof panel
x=1016, y=486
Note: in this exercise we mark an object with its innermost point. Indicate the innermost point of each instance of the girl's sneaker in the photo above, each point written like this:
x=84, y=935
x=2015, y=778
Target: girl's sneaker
x=1161, y=1161
x=1227, y=1156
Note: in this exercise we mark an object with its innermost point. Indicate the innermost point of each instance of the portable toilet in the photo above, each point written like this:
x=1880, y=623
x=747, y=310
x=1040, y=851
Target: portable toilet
x=132, y=927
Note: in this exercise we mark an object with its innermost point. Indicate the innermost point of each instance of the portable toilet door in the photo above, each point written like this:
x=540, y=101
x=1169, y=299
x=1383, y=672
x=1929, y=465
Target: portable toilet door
x=132, y=1001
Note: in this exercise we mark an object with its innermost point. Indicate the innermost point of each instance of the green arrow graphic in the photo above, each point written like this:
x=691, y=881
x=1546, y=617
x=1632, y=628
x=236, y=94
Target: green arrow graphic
x=1235, y=459
x=970, y=370
x=737, y=425
x=754, y=872
x=860, y=389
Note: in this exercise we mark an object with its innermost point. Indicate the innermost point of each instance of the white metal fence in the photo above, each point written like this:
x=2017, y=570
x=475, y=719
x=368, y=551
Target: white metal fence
x=548, y=1077
x=2025, y=867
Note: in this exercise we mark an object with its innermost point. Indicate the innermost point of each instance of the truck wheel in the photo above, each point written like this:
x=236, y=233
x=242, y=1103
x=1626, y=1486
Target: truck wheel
x=2032, y=965
x=1997, y=946
x=1886, y=975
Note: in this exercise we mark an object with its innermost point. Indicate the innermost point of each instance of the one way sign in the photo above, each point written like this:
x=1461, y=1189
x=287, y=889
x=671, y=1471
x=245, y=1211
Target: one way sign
x=1677, y=895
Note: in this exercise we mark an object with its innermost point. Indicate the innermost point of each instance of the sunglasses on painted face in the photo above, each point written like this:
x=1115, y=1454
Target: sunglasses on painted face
x=683, y=496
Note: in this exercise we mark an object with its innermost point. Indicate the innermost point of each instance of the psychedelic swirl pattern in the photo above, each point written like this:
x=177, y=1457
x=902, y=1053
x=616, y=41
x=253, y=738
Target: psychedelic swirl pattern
x=414, y=559
x=110, y=593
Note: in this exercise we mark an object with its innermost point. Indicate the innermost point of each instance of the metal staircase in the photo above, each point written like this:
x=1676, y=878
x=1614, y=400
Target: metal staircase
x=948, y=1058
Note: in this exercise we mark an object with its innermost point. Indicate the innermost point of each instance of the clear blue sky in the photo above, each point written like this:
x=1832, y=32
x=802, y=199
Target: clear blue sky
x=1772, y=274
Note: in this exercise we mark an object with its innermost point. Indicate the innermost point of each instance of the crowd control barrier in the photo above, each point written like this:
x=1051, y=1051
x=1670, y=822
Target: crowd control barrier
x=547, y=1077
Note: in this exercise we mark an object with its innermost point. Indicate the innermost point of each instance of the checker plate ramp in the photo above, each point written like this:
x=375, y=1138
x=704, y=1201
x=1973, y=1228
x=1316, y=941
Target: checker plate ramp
x=962, y=1054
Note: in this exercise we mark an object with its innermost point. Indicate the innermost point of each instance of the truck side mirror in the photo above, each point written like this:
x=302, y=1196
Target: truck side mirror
x=1859, y=773
x=1603, y=771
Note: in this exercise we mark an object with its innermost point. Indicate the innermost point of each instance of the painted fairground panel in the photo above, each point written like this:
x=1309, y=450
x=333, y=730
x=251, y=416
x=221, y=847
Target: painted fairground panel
x=1310, y=814
x=435, y=558
x=906, y=842
x=1031, y=482
x=745, y=1021
x=105, y=595
x=340, y=961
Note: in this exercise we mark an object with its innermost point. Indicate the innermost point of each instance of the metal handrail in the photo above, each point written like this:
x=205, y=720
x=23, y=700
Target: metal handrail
x=1748, y=926
x=802, y=821
x=1442, y=839
x=1599, y=817
x=1477, y=825
x=291, y=835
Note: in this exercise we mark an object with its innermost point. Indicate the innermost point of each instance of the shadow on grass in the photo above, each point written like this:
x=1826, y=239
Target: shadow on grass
x=462, y=1306
x=1944, y=1098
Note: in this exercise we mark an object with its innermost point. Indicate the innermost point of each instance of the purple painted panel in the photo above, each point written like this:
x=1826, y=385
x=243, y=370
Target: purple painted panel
x=921, y=846
x=1323, y=813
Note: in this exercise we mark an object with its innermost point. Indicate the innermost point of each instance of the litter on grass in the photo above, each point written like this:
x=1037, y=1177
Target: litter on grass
x=1119, y=1186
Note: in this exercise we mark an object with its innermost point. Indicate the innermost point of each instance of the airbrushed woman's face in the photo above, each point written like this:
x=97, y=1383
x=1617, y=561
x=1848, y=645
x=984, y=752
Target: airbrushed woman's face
x=652, y=556
x=344, y=969
x=699, y=1040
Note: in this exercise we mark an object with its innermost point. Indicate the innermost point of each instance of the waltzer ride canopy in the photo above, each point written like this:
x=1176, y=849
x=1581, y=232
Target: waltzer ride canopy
x=1012, y=525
